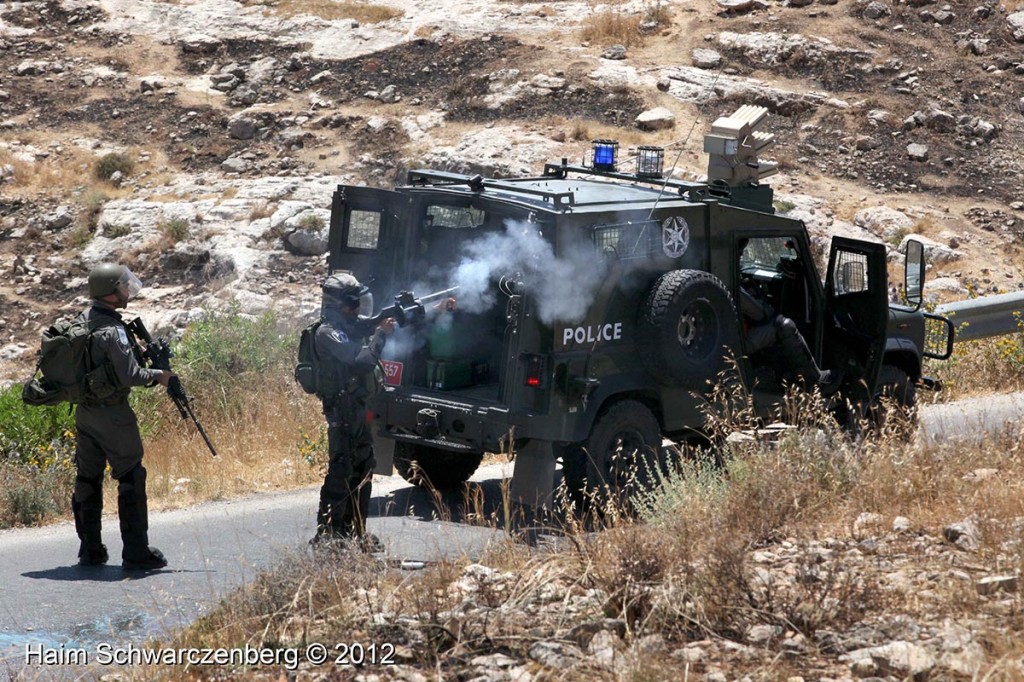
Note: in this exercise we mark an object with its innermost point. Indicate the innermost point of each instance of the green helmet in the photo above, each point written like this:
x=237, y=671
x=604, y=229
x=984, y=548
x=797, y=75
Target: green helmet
x=343, y=289
x=107, y=278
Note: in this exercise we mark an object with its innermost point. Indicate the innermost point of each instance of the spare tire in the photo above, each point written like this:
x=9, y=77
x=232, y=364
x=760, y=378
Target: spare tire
x=429, y=467
x=687, y=327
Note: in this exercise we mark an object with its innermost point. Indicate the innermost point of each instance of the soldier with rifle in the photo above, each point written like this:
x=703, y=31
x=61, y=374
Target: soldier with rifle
x=108, y=431
x=348, y=348
x=349, y=352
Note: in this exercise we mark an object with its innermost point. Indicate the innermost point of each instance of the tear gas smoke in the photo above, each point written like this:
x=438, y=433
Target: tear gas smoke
x=563, y=286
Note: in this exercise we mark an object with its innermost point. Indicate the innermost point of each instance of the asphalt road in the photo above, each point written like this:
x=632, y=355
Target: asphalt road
x=46, y=600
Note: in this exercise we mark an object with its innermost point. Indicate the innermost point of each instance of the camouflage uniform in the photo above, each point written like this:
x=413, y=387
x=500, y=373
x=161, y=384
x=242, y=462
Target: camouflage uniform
x=108, y=433
x=351, y=365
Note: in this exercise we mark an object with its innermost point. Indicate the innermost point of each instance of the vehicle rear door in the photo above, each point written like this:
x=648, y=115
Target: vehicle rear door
x=366, y=235
x=857, y=304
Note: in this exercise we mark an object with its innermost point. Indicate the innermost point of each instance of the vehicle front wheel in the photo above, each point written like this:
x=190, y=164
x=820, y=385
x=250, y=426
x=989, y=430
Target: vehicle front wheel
x=428, y=467
x=894, y=405
x=622, y=456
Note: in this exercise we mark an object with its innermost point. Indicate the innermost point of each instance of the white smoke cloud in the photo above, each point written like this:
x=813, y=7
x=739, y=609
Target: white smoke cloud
x=563, y=286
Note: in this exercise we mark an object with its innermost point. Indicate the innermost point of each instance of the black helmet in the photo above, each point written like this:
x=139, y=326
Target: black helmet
x=107, y=278
x=343, y=289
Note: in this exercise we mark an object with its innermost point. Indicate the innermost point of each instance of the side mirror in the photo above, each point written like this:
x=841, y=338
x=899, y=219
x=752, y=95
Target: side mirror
x=913, y=275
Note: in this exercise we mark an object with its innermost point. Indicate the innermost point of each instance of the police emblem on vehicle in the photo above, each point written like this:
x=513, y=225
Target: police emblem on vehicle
x=675, y=236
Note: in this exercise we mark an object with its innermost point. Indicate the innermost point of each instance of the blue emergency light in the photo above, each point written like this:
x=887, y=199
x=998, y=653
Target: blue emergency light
x=604, y=154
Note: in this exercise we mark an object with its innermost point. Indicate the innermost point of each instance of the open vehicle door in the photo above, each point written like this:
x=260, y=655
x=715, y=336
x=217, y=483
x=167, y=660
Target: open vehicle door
x=857, y=303
x=364, y=236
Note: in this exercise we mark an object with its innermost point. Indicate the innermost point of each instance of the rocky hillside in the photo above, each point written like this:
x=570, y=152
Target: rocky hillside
x=231, y=122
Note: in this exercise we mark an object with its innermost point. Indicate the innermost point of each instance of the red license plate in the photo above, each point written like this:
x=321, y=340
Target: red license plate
x=392, y=372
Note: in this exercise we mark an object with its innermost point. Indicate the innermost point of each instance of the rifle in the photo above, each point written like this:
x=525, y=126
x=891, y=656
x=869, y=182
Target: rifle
x=407, y=309
x=159, y=354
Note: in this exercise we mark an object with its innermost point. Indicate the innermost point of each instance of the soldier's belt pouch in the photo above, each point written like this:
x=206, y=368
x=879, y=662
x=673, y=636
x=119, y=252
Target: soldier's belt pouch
x=99, y=383
x=40, y=392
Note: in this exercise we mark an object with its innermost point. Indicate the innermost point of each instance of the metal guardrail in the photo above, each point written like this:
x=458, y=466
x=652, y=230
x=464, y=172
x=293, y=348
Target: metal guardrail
x=981, y=318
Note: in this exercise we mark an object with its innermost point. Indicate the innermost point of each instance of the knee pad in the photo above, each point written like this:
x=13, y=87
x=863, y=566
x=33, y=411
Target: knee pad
x=786, y=327
x=87, y=488
x=134, y=480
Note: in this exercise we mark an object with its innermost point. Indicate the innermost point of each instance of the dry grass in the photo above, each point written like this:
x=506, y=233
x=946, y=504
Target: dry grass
x=610, y=27
x=363, y=12
x=981, y=367
x=267, y=447
x=685, y=573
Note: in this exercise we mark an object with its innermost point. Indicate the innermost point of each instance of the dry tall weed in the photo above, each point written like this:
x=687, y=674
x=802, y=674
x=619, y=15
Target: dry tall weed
x=610, y=27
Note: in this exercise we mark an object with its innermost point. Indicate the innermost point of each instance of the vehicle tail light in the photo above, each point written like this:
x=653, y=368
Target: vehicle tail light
x=534, y=376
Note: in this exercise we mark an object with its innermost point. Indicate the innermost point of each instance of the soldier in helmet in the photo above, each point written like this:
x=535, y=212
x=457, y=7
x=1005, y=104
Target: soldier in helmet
x=349, y=366
x=108, y=432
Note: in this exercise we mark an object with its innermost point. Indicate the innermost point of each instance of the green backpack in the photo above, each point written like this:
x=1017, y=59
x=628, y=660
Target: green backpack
x=307, y=371
x=63, y=364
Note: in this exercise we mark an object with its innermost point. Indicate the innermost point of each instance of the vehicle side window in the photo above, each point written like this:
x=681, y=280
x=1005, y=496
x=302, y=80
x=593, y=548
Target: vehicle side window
x=455, y=217
x=363, y=230
x=765, y=253
x=851, y=273
x=627, y=241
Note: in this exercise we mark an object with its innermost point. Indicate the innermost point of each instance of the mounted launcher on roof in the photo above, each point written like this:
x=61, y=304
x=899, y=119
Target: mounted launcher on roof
x=733, y=147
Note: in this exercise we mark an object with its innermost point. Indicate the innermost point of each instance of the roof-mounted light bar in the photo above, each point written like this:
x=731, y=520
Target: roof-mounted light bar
x=650, y=161
x=604, y=153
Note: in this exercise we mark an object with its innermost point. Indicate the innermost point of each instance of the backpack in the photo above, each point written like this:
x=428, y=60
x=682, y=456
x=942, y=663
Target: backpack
x=63, y=362
x=307, y=371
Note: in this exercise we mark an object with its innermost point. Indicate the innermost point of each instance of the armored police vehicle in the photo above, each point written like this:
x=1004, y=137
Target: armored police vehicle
x=595, y=307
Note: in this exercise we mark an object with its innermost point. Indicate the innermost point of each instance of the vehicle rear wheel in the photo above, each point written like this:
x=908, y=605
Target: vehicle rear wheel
x=622, y=457
x=428, y=467
x=894, y=405
x=687, y=327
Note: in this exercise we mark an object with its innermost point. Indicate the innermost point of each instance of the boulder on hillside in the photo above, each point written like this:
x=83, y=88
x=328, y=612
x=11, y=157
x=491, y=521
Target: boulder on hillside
x=658, y=118
x=1015, y=23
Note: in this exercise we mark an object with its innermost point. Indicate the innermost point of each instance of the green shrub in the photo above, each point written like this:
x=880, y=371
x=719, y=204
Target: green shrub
x=108, y=164
x=311, y=222
x=228, y=357
x=41, y=437
x=31, y=496
x=783, y=206
x=175, y=229
x=115, y=230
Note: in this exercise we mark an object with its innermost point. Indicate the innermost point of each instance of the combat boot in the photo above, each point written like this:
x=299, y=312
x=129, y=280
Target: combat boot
x=370, y=544
x=87, y=509
x=830, y=380
x=92, y=554
x=133, y=515
x=149, y=559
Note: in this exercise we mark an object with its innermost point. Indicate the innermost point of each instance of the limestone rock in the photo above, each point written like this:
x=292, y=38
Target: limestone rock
x=1015, y=24
x=934, y=252
x=883, y=221
x=964, y=534
x=917, y=152
x=900, y=659
x=658, y=118
x=704, y=58
x=877, y=10
x=555, y=654
x=617, y=52
x=997, y=583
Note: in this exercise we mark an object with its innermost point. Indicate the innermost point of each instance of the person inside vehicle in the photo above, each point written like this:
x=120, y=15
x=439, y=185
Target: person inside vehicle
x=764, y=328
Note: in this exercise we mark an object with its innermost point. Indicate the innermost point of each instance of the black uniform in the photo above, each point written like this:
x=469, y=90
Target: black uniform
x=108, y=432
x=765, y=328
x=350, y=366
